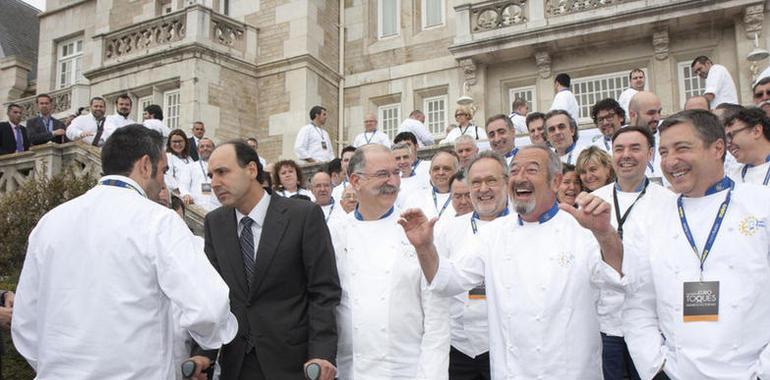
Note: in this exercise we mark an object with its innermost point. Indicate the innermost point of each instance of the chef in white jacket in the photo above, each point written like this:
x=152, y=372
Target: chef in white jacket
x=541, y=269
x=435, y=197
x=486, y=179
x=564, y=98
x=96, y=302
x=747, y=133
x=632, y=197
x=390, y=325
x=194, y=182
x=696, y=305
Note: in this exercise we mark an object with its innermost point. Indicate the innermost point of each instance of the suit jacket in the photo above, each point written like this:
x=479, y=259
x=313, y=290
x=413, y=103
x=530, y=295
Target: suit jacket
x=2, y=349
x=38, y=131
x=8, y=139
x=289, y=314
x=192, y=148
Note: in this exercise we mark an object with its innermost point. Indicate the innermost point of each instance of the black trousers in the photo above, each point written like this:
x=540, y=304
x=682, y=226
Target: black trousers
x=250, y=369
x=464, y=367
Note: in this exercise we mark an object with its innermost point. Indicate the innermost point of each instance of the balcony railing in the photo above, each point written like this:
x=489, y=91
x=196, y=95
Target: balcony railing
x=563, y=7
x=498, y=14
x=140, y=38
x=64, y=101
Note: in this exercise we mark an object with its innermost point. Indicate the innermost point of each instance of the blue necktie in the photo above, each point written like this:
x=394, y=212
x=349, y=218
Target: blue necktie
x=247, y=249
x=19, y=139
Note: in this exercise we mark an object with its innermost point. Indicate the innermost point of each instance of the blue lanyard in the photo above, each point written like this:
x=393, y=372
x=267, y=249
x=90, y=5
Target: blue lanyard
x=360, y=217
x=725, y=183
x=414, y=165
x=369, y=140
x=570, y=149
x=606, y=143
x=650, y=163
x=475, y=217
x=746, y=168
x=331, y=209
x=546, y=216
x=435, y=202
x=119, y=183
x=512, y=153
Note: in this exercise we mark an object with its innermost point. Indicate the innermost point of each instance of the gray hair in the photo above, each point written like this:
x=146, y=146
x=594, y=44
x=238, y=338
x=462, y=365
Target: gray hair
x=554, y=162
x=465, y=139
x=706, y=124
x=358, y=161
x=488, y=155
x=400, y=145
x=572, y=123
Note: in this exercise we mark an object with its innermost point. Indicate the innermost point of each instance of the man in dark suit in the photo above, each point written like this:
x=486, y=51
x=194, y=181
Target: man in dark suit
x=284, y=292
x=44, y=127
x=13, y=135
x=198, y=130
x=6, y=311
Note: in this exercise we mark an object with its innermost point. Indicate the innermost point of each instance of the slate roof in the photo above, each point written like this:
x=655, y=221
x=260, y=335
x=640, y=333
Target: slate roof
x=19, y=30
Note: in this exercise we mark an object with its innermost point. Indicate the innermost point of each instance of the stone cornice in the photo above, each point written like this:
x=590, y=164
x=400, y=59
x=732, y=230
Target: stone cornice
x=301, y=61
x=63, y=8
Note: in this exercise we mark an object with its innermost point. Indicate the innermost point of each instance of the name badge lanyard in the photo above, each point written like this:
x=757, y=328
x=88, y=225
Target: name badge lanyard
x=606, y=144
x=205, y=177
x=746, y=168
x=622, y=220
x=320, y=133
x=712, y=234
x=435, y=202
x=462, y=131
x=331, y=209
x=475, y=217
x=119, y=183
x=570, y=149
x=369, y=140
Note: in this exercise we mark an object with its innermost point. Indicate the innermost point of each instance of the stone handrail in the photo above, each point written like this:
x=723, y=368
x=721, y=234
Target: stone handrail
x=498, y=14
x=138, y=39
x=65, y=101
x=563, y=7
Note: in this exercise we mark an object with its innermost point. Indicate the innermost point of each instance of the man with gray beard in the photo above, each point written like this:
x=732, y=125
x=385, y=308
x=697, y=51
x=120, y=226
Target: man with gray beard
x=390, y=325
x=541, y=292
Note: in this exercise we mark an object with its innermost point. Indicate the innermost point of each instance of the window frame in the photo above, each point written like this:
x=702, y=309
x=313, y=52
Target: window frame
x=170, y=119
x=625, y=83
x=74, y=73
x=424, y=15
x=445, y=100
x=532, y=102
x=140, y=107
x=380, y=20
x=381, y=119
x=681, y=67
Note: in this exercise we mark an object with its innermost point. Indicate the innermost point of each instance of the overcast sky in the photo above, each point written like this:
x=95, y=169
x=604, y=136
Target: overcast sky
x=39, y=4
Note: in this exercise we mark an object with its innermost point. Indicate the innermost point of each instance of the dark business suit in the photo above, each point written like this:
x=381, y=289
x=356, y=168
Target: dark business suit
x=8, y=138
x=2, y=349
x=288, y=317
x=39, y=134
x=192, y=148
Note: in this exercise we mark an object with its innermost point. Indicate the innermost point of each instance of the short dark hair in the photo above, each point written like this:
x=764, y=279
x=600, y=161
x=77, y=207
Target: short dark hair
x=572, y=122
x=251, y=139
x=346, y=149
x=124, y=96
x=177, y=204
x=706, y=124
x=277, y=170
x=246, y=154
x=96, y=98
x=534, y=116
x=13, y=105
x=752, y=116
x=729, y=109
x=518, y=102
x=636, y=70
x=129, y=144
x=334, y=166
x=44, y=95
x=504, y=118
x=563, y=79
x=315, y=111
x=155, y=111
x=416, y=113
x=458, y=176
x=404, y=136
x=608, y=104
x=702, y=59
x=643, y=130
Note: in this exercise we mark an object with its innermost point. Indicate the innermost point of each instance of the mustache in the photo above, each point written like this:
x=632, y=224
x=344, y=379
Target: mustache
x=387, y=190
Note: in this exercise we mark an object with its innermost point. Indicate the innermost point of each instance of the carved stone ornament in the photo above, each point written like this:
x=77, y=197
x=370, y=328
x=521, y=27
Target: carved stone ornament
x=543, y=61
x=660, y=44
x=753, y=15
x=469, y=70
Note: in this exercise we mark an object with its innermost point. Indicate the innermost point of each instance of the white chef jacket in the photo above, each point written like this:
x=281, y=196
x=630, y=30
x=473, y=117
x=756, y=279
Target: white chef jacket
x=519, y=122
x=116, y=121
x=468, y=317
x=191, y=181
x=300, y=191
x=571, y=156
x=735, y=347
x=478, y=133
x=721, y=85
x=418, y=129
x=338, y=190
x=654, y=171
x=625, y=99
x=542, y=285
x=95, y=302
x=565, y=100
x=603, y=143
x=752, y=174
x=375, y=137
x=174, y=174
x=309, y=144
x=422, y=197
x=611, y=300
x=158, y=126
x=87, y=123
x=332, y=210
x=389, y=325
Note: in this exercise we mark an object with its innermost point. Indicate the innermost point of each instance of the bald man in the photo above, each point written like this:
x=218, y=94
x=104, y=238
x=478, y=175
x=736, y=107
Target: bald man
x=371, y=135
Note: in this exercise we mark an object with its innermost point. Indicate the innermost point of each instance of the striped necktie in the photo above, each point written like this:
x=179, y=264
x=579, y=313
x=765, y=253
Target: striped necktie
x=247, y=248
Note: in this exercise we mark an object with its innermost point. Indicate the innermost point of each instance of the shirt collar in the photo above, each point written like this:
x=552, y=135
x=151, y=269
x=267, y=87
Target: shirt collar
x=358, y=216
x=258, y=213
x=723, y=184
x=126, y=180
x=546, y=216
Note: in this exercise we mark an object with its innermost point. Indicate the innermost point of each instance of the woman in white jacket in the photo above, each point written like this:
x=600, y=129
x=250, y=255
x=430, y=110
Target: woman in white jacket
x=176, y=152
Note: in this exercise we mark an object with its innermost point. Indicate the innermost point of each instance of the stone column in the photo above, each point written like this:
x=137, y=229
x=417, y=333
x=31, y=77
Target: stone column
x=544, y=82
x=745, y=31
x=662, y=74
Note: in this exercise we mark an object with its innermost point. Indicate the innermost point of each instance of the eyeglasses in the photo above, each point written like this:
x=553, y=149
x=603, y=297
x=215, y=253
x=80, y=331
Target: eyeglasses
x=461, y=114
x=731, y=135
x=758, y=95
x=489, y=181
x=381, y=174
x=607, y=117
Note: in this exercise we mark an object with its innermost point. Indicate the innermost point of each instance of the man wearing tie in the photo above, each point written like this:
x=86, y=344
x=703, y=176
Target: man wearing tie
x=13, y=135
x=198, y=130
x=44, y=127
x=90, y=127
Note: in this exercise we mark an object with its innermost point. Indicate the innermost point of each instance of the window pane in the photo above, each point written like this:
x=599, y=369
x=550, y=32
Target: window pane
x=389, y=119
x=435, y=118
x=171, y=109
x=389, y=17
x=590, y=90
x=433, y=14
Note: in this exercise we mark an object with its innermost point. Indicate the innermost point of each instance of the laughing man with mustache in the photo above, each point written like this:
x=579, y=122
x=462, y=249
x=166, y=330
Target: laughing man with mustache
x=541, y=292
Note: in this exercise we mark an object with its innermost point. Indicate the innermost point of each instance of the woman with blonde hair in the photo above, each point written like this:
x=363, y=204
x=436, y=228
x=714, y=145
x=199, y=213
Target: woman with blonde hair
x=594, y=167
x=465, y=126
x=287, y=179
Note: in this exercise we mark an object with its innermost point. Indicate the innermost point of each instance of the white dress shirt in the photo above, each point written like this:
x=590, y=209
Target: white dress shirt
x=565, y=100
x=478, y=133
x=721, y=85
x=542, y=285
x=174, y=174
x=429, y=200
x=418, y=129
x=603, y=143
x=625, y=98
x=389, y=325
x=95, y=302
x=87, y=123
x=257, y=214
x=611, y=300
x=115, y=121
x=192, y=181
x=519, y=122
x=158, y=126
x=735, y=346
x=313, y=142
x=375, y=137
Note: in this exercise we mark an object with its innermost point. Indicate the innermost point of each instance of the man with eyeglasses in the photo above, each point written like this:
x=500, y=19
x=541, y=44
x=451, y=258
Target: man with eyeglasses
x=321, y=187
x=486, y=179
x=608, y=116
x=645, y=111
x=390, y=325
x=541, y=271
x=762, y=94
x=748, y=139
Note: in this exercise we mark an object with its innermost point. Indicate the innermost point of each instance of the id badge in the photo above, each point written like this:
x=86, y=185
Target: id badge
x=206, y=188
x=657, y=180
x=701, y=301
x=478, y=293
x=323, y=145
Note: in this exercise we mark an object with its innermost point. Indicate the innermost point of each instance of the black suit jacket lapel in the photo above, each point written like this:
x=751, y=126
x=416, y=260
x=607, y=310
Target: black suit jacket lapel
x=232, y=252
x=273, y=228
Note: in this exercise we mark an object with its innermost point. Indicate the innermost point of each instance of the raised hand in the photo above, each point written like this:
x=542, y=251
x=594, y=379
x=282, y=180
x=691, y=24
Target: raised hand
x=418, y=229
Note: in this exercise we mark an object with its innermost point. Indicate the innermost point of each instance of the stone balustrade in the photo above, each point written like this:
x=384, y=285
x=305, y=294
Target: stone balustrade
x=498, y=14
x=563, y=7
x=65, y=101
x=139, y=39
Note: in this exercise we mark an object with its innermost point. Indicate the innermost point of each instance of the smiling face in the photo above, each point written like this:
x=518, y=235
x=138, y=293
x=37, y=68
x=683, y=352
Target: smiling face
x=537, y=131
x=501, y=138
x=378, y=182
x=594, y=175
x=649, y=111
x=461, y=198
x=404, y=161
x=529, y=187
x=762, y=97
x=569, y=188
x=559, y=132
x=742, y=140
x=688, y=163
x=443, y=166
x=630, y=154
x=608, y=122
x=487, y=183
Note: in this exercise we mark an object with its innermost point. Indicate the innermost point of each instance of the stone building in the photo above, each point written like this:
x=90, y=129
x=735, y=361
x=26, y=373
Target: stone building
x=18, y=50
x=255, y=67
